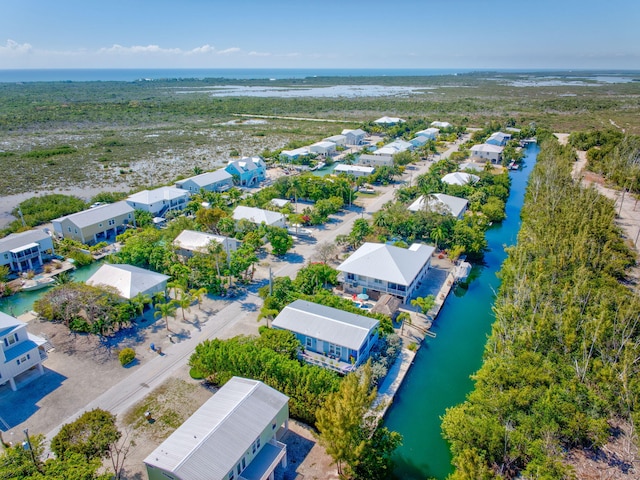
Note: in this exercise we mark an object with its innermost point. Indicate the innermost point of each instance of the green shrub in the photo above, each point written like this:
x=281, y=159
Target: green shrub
x=126, y=356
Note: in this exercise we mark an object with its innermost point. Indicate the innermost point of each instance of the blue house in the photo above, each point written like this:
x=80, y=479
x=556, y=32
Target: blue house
x=330, y=337
x=499, y=139
x=248, y=171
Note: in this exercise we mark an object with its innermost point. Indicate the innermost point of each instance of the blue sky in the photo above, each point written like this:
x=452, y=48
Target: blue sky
x=320, y=34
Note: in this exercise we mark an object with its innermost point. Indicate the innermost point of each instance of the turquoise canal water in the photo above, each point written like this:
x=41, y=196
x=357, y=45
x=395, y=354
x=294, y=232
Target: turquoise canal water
x=23, y=301
x=439, y=377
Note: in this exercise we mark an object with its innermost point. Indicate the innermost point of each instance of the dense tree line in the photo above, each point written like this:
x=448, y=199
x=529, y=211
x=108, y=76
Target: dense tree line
x=563, y=357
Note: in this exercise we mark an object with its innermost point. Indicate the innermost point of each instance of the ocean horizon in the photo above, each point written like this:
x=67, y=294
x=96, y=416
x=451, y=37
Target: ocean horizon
x=135, y=74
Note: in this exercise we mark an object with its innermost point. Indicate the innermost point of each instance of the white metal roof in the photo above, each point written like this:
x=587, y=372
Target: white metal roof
x=353, y=168
x=148, y=197
x=297, y=151
x=460, y=178
x=209, y=178
x=18, y=240
x=98, y=214
x=387, y=262
x=429, y=132
x=357, y=132
x=500, y=136
x=257, y=215
x=336, y=138
x=451, y=204
x=210, y=442
x=440, y=124
x=486, y=147
x=325, y=323
x=279, y=202
x=478, y=167
x=388, y=120
x=9, y=324
x=323, y=144
x=127, y=279
x=198, y=241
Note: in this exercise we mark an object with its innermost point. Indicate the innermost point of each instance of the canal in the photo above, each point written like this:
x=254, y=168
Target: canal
x=439, y=377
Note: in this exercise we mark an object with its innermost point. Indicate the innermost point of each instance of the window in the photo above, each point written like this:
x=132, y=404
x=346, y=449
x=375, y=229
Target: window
x=335, y=350
x=112, y=222
x=100, y=225
x=10, y=340
x=69, y=229
x=239, y=469
x=309, y=342
x=258, y=443
x=232, y=475
x=244, y=464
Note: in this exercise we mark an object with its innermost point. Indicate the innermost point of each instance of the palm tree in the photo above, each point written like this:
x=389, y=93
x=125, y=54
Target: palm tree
x=166, y=310
x=139, y=302
x=197, y=170
x=62, y=278
x=197, y=295
x=184, y=302
x=438, y=234
x=176, y=286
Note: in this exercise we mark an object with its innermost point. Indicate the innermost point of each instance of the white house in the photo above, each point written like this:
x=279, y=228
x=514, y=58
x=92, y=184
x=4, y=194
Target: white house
x=440, y=202
x=323, y=331
x=95, y=224
x=295, y=153
x=354, y=137
x=355, y=170
x=190, y=241
x=259, y=216
x=20, y=352
x=128, y=280
x=233, y=436
x=160, y=200
x=476, y=167
x=498, y=138
x=430, y=133
x=460, y=178
x=23, y=251
x=248, y=170
x=340, y=140
x=388, y=120
x=323, y=148
x=386, y=268
x=378, y=160
x=419, y=141
x=280, y=202
x=217, y=181
x=491, y=153
x=440, y=124
x=394, y=147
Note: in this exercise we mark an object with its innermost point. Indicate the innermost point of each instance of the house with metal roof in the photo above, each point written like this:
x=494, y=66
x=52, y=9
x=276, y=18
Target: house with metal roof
x=442, y=203
x=24, y=251
x=430, y=133
x=354, y=137
x=129, y=280
x=438, y=124
x=295, y=154
x=233, y=436
x=159, y=200
x=259, y=216
x=190, y=242
x=355, y=170
x=394, y=147
x=323, y=148
x=388, y=120
x=486, y=152
x=369, y=160
x=498, y=138
x=96, y=224
x=248, y=170
x=460, y=178
x=340, y=140
x=21, y=353
x=217, y=181
x=386, y=269
x=331, y=338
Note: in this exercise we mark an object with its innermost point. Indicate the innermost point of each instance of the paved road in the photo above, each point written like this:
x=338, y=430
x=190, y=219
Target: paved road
x=235, y=318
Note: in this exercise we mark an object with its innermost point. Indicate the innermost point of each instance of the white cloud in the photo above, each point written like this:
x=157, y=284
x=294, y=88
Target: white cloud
x=203, y=49
x=14, y=48
x=135, y=49
x=228, y=51
x=259, y=54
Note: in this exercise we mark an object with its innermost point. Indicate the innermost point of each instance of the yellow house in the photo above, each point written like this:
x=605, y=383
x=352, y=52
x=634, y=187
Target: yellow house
x=96, y=224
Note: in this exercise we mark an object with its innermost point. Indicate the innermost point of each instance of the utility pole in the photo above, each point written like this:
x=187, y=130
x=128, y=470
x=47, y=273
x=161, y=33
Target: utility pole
x=270, y=281
x=24, y=224
x=27, y=446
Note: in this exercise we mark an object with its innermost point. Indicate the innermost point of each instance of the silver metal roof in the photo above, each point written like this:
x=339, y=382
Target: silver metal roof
x=9, y=324
x=19, y=240
x=152, y=196
x=205, y=179
x=460, y=178
x=208, y=445
x=198, y=241
x=387, y=262
x=257, y=215
x=325, y=323
x=98, y=214
x=127, y=279
x=451, y=204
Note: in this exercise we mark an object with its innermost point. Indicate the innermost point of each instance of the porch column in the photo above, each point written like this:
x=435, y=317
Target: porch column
x=30, y=264
x=12, y=384
x=40, y=369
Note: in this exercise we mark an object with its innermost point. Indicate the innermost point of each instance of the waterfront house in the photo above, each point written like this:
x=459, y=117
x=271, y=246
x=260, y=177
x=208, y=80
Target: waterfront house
x=476, y=167
x=248, y=171
x=340, y=140
x=295, y=154
x=419, y=141
x=128, y=280
x=21, y=353
x=159, y=200
x=330, y=337
x=460, y=178
x=354, y=137
x=190, y=242
x=394, y=147
x=323, y=148
x=386, y=269
x=217, y=181
x=233, y=436
x=355, y=170
x=438, y=124
x=24, y=251
x=430, y=133
x=259, y=216
x=388, y=121
x=369, y=160
x=96, y=224
x=440, y=202
x=486, y=152
x=498, y=138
